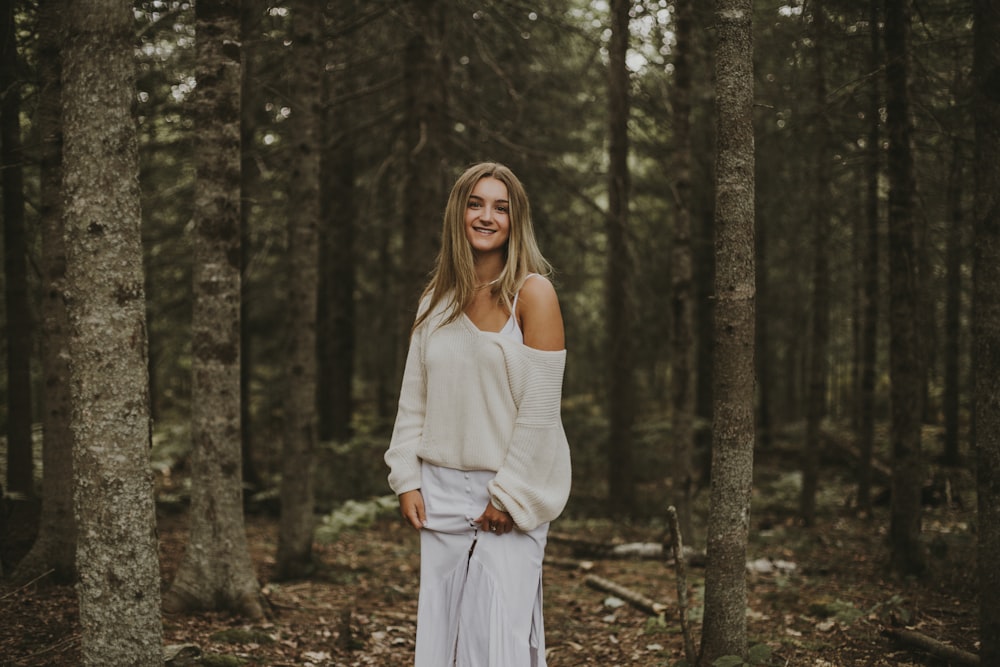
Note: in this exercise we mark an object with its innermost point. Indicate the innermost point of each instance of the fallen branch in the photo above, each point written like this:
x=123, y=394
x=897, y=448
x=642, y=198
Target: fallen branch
x=569, y=563
x=634, y=598
x=946, y=652
x=639, y=550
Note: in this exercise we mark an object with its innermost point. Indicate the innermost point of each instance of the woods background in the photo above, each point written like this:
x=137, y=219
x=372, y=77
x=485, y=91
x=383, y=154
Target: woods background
x=353, y=119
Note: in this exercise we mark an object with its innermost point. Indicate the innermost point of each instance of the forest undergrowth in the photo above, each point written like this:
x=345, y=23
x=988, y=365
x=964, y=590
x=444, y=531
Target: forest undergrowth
x=819, y=597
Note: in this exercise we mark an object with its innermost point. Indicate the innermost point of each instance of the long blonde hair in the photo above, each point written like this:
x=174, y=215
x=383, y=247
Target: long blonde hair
x=454, y=271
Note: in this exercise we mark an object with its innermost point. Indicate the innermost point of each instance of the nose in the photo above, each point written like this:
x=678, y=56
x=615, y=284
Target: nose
x=486, y=214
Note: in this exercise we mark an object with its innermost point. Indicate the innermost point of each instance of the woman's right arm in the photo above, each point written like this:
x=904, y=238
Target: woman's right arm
x=401, y=457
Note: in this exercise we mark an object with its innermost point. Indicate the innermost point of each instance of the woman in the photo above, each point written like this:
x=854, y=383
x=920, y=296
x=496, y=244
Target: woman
x=478, y=456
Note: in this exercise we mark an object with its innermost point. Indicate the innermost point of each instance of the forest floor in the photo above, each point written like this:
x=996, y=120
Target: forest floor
x=818, y=597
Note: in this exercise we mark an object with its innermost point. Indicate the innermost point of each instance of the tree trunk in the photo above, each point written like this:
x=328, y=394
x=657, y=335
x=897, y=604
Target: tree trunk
x=683, y=353
x=905, y=359
x=725, y=626
x=251, y=12
x=426, y=104
x=20, y=464
x=295, y=534
x=337, y=281
x=820, y=324
x=953, y=308
x=119, y=586
x=870, y=269
x=216, y=571
x=55, y=545
x=986, y=321
x=621, y=392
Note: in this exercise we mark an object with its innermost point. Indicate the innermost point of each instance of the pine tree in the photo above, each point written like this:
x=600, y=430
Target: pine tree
x=725, y=628
x=119, y=586
x=216, y=571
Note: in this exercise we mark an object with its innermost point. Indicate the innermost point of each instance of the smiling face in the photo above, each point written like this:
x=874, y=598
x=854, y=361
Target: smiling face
x=487, y=217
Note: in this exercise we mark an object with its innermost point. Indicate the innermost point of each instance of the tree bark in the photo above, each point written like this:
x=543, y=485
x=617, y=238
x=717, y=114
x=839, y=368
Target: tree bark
x=682, y=369
x=119, y=586
x=820, y=323
x=216, y=571
x=251, y=12
x=337, y=282
x=905, y=358
x=724, y=629
x=295, y=534
x=953, y=308
x=426, y=104
x=986, y=320
x=870, y=268
x=55, y=545
x=20, y=461
x=620, y=342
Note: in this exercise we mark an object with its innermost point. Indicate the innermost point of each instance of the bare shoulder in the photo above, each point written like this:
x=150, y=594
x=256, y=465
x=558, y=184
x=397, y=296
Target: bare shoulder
x=539, y=314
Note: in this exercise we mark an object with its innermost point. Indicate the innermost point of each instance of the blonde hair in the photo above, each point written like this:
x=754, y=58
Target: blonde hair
x=454, y=270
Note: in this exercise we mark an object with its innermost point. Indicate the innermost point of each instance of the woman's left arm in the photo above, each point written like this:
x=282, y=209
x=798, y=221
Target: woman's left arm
x=540, y=316
x=542, y=325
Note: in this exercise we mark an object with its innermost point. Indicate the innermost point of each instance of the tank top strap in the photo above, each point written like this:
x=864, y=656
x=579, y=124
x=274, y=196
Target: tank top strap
x=513, y=304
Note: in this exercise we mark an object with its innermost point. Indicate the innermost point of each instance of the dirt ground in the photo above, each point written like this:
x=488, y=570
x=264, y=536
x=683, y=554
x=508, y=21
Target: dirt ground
x=817, y=597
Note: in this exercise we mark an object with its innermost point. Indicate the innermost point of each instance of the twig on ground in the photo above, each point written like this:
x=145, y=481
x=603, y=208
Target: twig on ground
x=682, y=592
x=26, y=584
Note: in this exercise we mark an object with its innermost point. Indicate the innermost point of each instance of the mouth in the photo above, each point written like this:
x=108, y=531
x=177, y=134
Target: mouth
x=484, y=231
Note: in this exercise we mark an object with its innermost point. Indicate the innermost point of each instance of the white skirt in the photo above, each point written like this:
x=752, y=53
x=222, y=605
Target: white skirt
x=480, y=599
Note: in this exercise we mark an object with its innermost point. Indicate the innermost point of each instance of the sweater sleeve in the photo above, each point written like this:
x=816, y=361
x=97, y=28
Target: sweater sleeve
x=401, y=457
x=533, y=483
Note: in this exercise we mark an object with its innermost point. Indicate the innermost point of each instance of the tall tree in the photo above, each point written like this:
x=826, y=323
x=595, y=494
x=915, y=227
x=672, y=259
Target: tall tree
x=119, y=586
x=295, y=534
x=870, y=264
x=55, y=545
x=251, y=12
x=619, y=371
x=425, y=72
x=337, y=281
x=953, y=307
x=682, y=371
x=724, y=630
x=819, y=333
x=986, y=320
x=20, y=464
x=905, y=358
x=216, y=571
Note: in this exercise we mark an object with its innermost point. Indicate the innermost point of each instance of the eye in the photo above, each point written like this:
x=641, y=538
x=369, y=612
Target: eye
x=475, y=203
x=503, y=209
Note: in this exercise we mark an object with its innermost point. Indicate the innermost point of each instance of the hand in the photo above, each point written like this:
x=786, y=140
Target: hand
x=411, y=506
x=495, y=521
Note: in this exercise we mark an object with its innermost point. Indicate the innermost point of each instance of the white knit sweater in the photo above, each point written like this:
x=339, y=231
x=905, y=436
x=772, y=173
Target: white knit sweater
x=476, y=400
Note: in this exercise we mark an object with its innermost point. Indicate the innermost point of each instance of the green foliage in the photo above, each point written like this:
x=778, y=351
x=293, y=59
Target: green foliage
x=242, y=636
x=354, y=514
x=758, y=654
x=842, y=611
x=214, y=660
x=655, y=625
x=895, y=609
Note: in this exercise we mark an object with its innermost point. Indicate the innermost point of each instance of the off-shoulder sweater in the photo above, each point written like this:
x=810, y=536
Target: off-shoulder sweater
x=477, y=400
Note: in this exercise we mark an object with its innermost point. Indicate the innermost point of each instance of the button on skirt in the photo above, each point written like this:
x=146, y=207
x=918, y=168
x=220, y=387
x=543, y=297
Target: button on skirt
x=480, y=599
